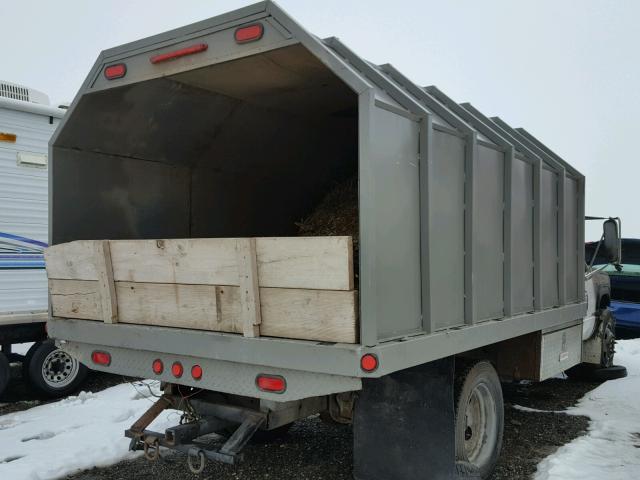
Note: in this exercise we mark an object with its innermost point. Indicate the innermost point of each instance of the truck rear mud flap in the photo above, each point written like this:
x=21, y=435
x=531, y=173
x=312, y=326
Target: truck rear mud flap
x=188, y=437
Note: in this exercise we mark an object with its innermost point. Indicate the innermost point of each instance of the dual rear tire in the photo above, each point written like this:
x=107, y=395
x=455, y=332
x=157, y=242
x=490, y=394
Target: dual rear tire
x=479, y=418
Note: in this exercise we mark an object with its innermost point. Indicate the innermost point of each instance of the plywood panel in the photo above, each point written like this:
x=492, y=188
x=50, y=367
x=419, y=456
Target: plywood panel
x=283, y=262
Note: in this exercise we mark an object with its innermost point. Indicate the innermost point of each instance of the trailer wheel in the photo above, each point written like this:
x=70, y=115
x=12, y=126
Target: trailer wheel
x=479, y=420
x=5, y=373
x=51, y=371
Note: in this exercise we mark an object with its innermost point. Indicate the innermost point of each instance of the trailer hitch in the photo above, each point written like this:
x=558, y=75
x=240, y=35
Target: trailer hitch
x=200, y=456
x=211, y=418
x=151, y=448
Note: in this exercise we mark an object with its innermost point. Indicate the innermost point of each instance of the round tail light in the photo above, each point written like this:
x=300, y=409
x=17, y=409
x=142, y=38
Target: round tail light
x=196, y=372
x=157, y=366
x=369, y=362
x=177, y=370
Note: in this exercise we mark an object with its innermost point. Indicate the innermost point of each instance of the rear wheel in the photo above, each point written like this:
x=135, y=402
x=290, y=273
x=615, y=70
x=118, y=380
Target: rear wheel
x=5, y=373
x=479, y=420
x=53, y=372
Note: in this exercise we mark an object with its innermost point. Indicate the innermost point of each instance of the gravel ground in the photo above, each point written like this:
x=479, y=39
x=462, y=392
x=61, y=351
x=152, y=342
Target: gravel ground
x=531, y=436
x=314, y=450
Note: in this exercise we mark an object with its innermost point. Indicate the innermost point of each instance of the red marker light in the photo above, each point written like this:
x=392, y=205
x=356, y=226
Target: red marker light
x=369, y=362
x=183, y=52
x=196, y=372
x=250, y=33
x=158, y=366
x=101, y=358
x=177, y=370
x=115, y=71
x=271, y=383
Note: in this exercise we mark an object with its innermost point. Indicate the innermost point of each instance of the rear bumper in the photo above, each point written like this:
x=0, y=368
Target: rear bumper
x=218, y=375
x=332, y=360
x=314, y=357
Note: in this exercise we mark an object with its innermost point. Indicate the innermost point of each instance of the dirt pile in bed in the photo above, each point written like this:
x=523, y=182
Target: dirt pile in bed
x=336, y=214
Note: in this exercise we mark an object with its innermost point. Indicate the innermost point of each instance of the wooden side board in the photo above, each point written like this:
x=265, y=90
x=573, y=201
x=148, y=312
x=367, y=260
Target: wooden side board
x=324, y=263
x=308, y=314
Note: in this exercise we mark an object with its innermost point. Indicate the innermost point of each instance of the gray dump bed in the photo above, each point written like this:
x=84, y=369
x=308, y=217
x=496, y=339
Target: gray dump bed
x=471, y=232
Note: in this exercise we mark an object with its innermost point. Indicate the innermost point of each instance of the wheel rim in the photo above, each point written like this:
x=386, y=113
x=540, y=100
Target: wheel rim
x=481, y=431
x=59, y=369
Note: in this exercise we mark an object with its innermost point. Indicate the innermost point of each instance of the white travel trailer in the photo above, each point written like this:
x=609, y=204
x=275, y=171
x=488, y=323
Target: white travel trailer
x=27, y=122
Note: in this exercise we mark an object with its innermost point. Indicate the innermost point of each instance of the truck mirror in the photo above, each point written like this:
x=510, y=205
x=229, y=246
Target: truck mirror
x=611, y=242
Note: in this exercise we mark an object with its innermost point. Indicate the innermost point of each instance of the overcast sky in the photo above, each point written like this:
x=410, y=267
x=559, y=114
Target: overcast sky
x=567, y=71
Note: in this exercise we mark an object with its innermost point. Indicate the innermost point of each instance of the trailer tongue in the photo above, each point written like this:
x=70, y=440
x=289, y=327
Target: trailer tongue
x=179, y=179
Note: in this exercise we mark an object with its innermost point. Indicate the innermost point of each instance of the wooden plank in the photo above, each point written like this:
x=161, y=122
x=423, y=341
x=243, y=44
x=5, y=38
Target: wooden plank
x=73, y=260
x=323, y=315
x=319, y=315
x=249, y=290
x=171, y=305
x=202, y=261
x=106, y=284
x=75, y=299
x=324, y=263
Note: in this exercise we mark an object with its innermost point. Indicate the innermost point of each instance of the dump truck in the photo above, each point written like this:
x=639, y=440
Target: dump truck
x=27, y=121
x=179, y=177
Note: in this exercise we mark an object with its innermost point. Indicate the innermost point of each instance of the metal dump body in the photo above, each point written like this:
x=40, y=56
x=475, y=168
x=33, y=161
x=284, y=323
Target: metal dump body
x=470, y=232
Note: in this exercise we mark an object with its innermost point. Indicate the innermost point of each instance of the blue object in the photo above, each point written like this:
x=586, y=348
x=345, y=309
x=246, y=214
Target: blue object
x=18, y=252
x=627, y=315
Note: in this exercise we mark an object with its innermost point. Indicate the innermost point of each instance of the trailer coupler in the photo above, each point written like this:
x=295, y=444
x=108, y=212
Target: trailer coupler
x=210, y=418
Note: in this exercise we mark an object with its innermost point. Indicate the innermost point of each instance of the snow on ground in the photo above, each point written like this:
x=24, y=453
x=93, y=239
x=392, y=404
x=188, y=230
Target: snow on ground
x=611, y=448
x=21, y=348
x=57, y=439
x=533, y=410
